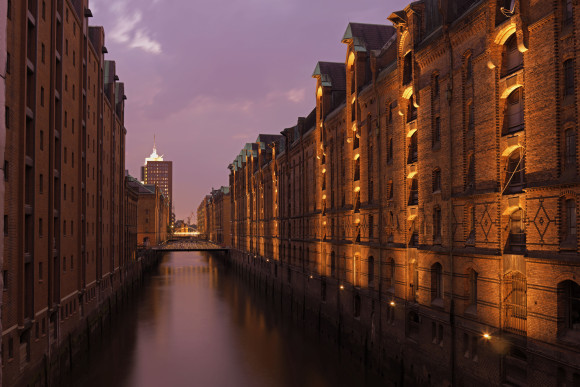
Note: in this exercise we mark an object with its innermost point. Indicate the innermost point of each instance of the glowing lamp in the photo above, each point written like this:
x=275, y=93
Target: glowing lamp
x=392, y=303
x=486, y=336
x=341, y=287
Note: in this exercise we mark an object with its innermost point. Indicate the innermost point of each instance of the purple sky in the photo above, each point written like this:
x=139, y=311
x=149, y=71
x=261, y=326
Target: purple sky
x=208, y=76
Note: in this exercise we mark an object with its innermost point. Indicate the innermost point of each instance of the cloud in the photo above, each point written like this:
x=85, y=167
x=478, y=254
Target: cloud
x=296, y=95
x=126, y=30
x=144, y=42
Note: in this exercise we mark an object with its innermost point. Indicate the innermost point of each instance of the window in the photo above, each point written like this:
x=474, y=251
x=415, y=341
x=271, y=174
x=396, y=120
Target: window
x=436, y=135
x=390, y=151
x=356, y=169
x=392, y=111
x=569, y=309
x=5, y=225
x=43, y=10
x=514, y=111
x=468, y=68
x=437, y=180
x=517, y=235
x=570, y=150
x=470, y=225
x=436, y=281
x=570, y=222
x=390, y=191
x=6, y=170
x=437, y=225
x=512, y=58
x=7, y=117
x=567, y=12
x=411, y=110
x=413, y=149
x=407, y=68
x=371, y=227
x=515, y=302
x=569, y=77
x=471, y=116
x=470, y=180
x=436, y=85
x=414, y=192
x=9, y=10
x=472, y=291
x=515, y=171
x=356, y=306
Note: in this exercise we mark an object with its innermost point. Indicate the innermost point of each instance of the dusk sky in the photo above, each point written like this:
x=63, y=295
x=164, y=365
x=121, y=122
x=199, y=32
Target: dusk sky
x=208, y=76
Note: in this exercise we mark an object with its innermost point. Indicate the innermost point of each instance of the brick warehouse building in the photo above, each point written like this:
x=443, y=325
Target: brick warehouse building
x=426, y=210
x=64, y=252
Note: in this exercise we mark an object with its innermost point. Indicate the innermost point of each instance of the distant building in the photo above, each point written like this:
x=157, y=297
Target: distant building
x=153, y=215
x=159, y=172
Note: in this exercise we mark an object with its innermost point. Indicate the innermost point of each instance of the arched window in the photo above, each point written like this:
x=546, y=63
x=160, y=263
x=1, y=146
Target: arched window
x=371, y=271
x=515, y=172
x=390, y=151
x=356, y=167
x=514, y=111
x=413, y=149
x=407, y=68
x=411, y=110
x=468, y=68
x=357, y=202
x=512, y=59
x=569, y=309
x=515, y=302
x=436, y=281
x=414, y=192
x=570, y=148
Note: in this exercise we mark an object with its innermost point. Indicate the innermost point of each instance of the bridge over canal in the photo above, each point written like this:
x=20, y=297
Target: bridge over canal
x=190, y=245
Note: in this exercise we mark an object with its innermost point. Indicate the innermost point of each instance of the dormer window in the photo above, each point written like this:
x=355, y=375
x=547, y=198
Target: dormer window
x=512, y=58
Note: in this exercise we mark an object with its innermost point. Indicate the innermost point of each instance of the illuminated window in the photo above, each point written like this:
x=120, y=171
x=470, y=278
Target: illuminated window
x=514, y=111
x=512, y=59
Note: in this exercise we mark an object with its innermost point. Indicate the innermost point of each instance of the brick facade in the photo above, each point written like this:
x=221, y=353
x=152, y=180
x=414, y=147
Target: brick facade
x=431, y=196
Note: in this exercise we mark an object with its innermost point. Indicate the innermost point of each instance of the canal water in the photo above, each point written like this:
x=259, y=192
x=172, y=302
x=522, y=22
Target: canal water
x=196, y=323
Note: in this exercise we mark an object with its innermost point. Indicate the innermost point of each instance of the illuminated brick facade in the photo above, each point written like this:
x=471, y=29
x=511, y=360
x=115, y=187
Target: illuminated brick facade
x=431, y=197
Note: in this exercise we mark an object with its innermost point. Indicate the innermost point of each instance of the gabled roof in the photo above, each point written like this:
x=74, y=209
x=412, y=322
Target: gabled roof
x=267, y=139
x=367, y=37
x=331, y=74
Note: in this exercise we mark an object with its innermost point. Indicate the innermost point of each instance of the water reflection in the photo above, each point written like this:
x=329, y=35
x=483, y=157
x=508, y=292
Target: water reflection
x=196, y=324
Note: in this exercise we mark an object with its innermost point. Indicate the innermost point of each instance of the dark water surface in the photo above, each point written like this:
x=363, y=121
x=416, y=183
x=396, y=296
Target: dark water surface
x=198, y=324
